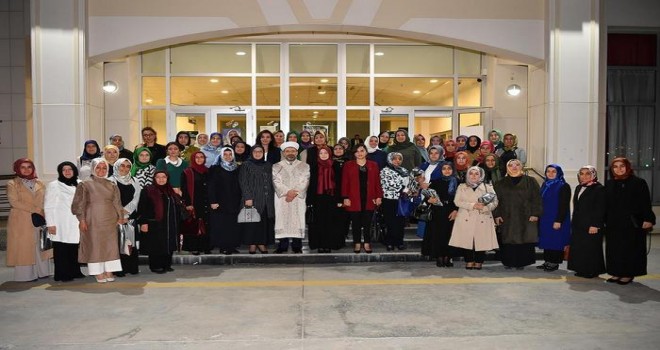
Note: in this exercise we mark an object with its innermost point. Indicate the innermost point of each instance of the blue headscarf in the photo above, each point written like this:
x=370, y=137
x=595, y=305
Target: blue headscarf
x=555, y=183
x=210, y=148
x=452, y=179
x=88, y=156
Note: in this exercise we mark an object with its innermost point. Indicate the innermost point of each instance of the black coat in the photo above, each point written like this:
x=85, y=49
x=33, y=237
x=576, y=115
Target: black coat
x=586, y=254
x=256, y=183
x=517, y=202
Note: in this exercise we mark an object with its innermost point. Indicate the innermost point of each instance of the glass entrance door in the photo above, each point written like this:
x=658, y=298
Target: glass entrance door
x=194, y=121
x=234, y=120
x=393, y=119
x=434, y=123
x=473, y=122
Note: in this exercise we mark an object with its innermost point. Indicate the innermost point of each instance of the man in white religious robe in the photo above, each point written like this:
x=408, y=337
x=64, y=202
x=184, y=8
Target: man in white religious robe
x=290, y=179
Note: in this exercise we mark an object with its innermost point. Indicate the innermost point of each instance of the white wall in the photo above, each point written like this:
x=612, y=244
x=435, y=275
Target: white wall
x=632, y=13
x=510, y=112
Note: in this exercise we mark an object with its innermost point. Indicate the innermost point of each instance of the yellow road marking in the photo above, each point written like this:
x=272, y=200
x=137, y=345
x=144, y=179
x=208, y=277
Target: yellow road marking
x=308, y=283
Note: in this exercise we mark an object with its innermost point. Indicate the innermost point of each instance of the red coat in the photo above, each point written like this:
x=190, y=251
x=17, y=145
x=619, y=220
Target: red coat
x=350, y=185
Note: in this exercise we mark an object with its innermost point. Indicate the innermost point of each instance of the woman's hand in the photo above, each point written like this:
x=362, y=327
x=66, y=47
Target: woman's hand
x=190, y=208
x=646, y=225
x=478, y=206
x=122, y=221
x=347, y=202
x=378, y=201
x=556, y=225
x=424, y=185
x=593, y=230
x=533, y=218
x=433, y=200
x=248, y=203
x=52, y=230
x=144, y=228
x=499, y=220
x=452, y=215
x=215, y=206
x=82, y=225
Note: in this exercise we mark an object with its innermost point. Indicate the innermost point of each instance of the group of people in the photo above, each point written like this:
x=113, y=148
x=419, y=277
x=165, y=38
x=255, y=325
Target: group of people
x=114, y=204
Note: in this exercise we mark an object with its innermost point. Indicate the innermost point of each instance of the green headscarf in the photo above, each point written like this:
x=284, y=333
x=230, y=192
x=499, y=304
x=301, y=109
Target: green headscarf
x=136, y=160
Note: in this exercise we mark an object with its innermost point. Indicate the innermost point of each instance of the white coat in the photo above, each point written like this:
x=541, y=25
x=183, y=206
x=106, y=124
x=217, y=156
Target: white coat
x=57, y=207
x=473, y=226
x=290, y=216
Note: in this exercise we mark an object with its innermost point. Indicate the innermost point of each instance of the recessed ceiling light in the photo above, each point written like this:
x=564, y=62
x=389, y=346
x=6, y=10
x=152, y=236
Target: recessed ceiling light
x=316, y=112
x=314, y=117
x=324, y=80
x=214, y=80
x=433, y=81
x=379, y=53
x=417, y=92
x=322, y=92
x=240, y=53
x=149, y=100
x=224, y=92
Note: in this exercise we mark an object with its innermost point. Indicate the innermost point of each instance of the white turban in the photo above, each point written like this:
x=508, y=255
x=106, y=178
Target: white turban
x=289, y=144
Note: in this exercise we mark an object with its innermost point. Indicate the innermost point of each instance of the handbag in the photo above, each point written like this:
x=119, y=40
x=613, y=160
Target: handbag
x=193, y=226
x=487, y=197
x=404, y=206
x=248, y=215
x=38, y=220
x=378, y=227
x=309, y=215
x=423, y=212
x=44, y=239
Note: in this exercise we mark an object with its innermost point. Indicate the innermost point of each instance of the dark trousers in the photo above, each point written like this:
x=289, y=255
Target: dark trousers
x=472, y=256
x=129, y=263
x=553, y=256
x=361, y=223
x=296, y=244
x=65, y=256
x=160, y=261
x=395, y=224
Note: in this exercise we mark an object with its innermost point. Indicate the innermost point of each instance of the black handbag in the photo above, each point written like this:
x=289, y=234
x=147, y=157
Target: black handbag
x=423, y=212
x=378, y=227
x=44, y=239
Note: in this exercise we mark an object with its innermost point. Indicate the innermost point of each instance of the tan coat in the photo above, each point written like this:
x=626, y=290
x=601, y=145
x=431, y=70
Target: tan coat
x=97, y=201
x=20, y=231
x=473, y=225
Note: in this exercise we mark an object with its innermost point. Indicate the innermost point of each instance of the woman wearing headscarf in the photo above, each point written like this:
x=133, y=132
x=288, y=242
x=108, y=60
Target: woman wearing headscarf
x=160, y=212
x=266, y=140
x=450, y=150
x=629, y=218
x=195, y=197
x=183, y=139
x=225, y=199
x=491, y=166
x=345, y=142
x=555, y=222
x=142, y=169
x=91, y=150
x=472, y=147
x=256, y=183
x=111, y=154
x=310, y=155
x=393, y=180
x=306, y=140
x=241, y=152
x=374, y=153
x=97, y=205
x=235, y=139
x=411, y=156
x=518, y=213
x=323, y=198
x=201, y=140
x=383, y=140
x=362, y=192
x=118, y=141
x=26, y=199
x=343, y=222
x=62, y=224
x=495, y=136
x=431, y=172
x=443, y=212
x=485, y=150
x=292, y=136
x=174, y=165
x=461, y=164
x=129, y=194
x=278, y=136
x=435, y=141
x=474, y=230
x=420, y=142
x=510, y=150
x=212, y=148
x=461, y=143
x=589, y=205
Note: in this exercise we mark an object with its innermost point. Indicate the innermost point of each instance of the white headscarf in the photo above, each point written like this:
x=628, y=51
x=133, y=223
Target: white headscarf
x=482, y=176
x=95, y=163
x=122, y=179
x=369, y=148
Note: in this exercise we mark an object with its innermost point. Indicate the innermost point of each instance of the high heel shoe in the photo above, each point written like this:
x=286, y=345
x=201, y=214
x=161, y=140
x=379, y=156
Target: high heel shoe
x=357, y=248
x=367, y=248
x=623, y=283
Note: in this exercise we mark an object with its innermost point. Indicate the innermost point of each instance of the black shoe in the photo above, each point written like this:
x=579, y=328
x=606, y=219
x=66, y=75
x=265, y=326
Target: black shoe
x=169, y=269
x=447, y=262
x=226, y=252
x=195, y=253
x=208, y=252
x=542, y=266
x=368, y=251
x=252, y=253
x=390, y=248
x=469, y=267
x=401, y=247
x=612, y=280
x=235, y=251
x=280, y=251
x=551, y=267
x=439, y=263
x=119, y=274
x=478, y=267
x=586, y=275
x=320, y=251
x=623, y=283
x=297, y=251
x=159, y=271
x=263, y=251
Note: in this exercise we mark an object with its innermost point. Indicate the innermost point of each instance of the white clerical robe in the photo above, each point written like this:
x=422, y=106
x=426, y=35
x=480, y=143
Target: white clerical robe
x=290, y=216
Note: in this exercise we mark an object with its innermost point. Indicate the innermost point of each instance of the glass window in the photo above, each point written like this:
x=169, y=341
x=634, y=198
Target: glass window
x=414, y=92
x=313, y=91
x=211, y=58
x=468, y=62
x=392, y=123
x=153, y=91
x=194, y=123
x=211, y=91
x=357, y=91
x=357, y=123
x=413, y=59
x=267, y=119
x=268, y=58
x=154, y=62
x=433, y=123
x=268, y=91
x=313, y=120
x=357, y=59
x=313, y=58
x=471, y=124
x=229, y=122
x=469, y=92
x=156, y=119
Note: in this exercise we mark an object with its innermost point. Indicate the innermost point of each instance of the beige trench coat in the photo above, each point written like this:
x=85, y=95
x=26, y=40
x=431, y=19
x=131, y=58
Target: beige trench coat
x=471, y=225
x=20, y=231
x=97, y=201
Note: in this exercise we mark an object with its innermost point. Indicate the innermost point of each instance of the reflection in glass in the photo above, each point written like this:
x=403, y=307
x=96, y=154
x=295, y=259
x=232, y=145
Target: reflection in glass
x=306, y=58
x=211, y=58
x=155, y=118
x=413, y=59
x=469, y=92
x=436, y=125
x=194, y=123
x=153, y=91
x=357, y=59
x=313, y=91
x=268, y=58
x=211, y=91
x=357, y=122
x=393, y=122
x=229, y=122
x=323, y=120
x=268, y=91
x=357, y=91
x=414, y=92
x=267, y=119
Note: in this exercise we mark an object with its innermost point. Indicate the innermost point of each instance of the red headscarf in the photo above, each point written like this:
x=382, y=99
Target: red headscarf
x=156, y=193
x=447, y=153
x=464, y=166
x=626, y=163
x=17, y=169
x=326, y=179
x=202, y=169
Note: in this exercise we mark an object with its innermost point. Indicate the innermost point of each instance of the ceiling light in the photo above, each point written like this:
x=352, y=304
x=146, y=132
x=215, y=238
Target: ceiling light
x=322, y=92
x=324, y=80
x=379, y=53
x=433, y=81
x=149, y=100
x=240, y=53
x=316, y=112
x=110, y=86
x=214, y=80
x=314, y=117
x=224, y=92
x=417, y=92
x=513, y=90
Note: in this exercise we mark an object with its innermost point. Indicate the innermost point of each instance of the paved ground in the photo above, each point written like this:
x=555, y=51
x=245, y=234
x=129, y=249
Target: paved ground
x=396, y=305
